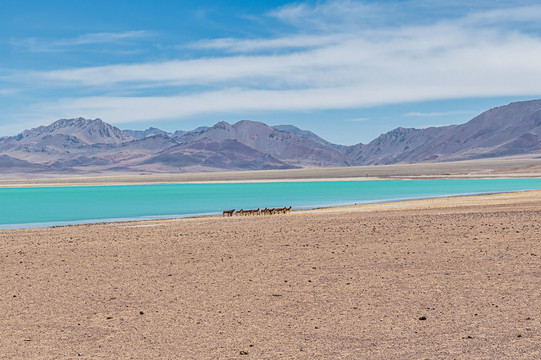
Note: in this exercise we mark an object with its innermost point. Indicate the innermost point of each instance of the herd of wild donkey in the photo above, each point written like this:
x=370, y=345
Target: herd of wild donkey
x=264, y=211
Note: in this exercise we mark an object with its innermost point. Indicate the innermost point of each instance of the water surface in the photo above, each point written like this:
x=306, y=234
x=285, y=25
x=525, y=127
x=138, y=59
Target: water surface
x=48, y=206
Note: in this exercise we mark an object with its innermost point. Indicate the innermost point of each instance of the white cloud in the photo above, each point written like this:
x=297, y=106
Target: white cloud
x=100, y=38
x=190, y=72
x=41, y=45
x=132, y=109
x=281, y=43
x=348, y=68
x=438, y=114
x=521, y=14
x=417, y=56
x=329, y=15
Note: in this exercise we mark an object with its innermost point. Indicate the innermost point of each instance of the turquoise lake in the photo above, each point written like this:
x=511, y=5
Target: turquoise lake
x=49, y=206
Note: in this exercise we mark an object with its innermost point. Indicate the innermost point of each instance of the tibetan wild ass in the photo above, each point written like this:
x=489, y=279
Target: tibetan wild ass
x=228, y=212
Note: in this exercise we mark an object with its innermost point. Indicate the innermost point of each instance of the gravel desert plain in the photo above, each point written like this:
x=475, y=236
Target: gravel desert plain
x=452, y=278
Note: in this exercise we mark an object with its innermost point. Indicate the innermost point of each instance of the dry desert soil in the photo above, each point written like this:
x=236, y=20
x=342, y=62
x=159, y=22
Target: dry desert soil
x=456, y=278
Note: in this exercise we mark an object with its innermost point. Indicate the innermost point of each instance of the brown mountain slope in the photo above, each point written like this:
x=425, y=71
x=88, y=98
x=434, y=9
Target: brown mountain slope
x=285, y=146
x=394, y=146
x=17, y=165
x=507, y=130
x=206, y=154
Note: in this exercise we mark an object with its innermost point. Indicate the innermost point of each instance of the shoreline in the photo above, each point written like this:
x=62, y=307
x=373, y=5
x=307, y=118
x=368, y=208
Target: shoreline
x=445, y=201
x=125, y=183
x=336, y=179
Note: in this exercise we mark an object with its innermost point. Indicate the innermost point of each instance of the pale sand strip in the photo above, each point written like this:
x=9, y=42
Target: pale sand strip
x=508, y=198
x=493, y=168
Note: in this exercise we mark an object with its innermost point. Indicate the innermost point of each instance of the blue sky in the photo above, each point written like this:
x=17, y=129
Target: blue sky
x=348, y=70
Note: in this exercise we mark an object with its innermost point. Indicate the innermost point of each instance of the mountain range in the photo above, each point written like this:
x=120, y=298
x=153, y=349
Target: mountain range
x=82, y=146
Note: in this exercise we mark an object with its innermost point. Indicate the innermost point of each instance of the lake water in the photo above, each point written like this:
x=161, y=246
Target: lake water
x=49, y=206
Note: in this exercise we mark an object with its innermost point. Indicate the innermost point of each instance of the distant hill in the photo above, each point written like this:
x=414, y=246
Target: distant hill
x=207, y=154
x=394, y=146
x=507, y=130
x=7, y=162
x=306, y=134
x=141, y=134
x=285, y=146
x=86, y=132
x=152, y=131
x=92, y=146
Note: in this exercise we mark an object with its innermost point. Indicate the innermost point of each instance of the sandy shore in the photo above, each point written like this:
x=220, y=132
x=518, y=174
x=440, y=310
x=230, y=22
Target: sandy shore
x=429, y=279
x=485, y=168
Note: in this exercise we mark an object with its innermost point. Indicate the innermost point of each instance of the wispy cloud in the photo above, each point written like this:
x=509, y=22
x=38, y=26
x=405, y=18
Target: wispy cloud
x=330, y=15
x=9, y=92
x=44, y=45
x=447, y=57
x=350, y=66
x=283, y=43
x=438, y=114
x=521, y=14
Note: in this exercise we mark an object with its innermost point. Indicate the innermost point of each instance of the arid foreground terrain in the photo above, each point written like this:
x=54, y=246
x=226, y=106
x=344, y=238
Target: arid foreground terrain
x=431, y=279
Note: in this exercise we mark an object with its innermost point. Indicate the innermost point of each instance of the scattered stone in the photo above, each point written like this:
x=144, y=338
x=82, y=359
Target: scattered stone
x=422, y=318
x=244, y=352
x=109, y=317
x=141, y=313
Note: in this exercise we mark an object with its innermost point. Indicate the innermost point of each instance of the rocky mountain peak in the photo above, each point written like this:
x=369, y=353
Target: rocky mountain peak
x=222, y=125
x=87, y=131
x=141, y=134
